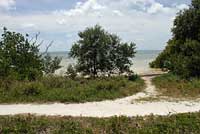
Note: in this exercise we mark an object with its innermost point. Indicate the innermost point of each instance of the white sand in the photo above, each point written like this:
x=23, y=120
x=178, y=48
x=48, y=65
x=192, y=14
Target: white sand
x=107, y=108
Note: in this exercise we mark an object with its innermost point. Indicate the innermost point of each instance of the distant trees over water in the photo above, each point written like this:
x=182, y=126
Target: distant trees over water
x=182, y=54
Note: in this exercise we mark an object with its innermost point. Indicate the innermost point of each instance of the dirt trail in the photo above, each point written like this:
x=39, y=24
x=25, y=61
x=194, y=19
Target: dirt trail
x=126, y=106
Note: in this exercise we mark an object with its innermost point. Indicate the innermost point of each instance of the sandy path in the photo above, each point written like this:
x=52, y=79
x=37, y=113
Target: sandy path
x=107, y=108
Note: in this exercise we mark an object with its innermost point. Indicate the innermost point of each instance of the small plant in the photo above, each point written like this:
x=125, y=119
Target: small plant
x=71, y=72
x=133, y=77
x=31, y=90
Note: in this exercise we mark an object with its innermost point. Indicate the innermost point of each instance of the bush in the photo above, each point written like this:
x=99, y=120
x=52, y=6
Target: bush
x=133, y=77
x=20, y=58
x=31, y=89
x=71, y=72
x=19, y=55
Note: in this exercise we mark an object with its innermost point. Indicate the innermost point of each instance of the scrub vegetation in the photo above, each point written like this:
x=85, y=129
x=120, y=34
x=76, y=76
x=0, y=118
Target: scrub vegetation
x=172, y=124
x=102, y=71
x=67, y=90
x=181, y=56
x=174, y=86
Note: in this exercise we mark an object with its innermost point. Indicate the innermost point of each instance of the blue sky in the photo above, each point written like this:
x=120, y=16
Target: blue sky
x=145, y=22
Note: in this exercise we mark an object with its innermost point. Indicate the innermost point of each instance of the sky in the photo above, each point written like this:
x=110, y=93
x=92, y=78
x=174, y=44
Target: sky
x=148, y=23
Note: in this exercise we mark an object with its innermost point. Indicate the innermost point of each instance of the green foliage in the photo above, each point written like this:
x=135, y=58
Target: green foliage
x=19, y=56
x=133, y=77
x=51, y=65
x=65, y=89
x=31, y=89
x=181, y=56
x=99, y=52
x=174, y=86
x=175, y=124
x=186, y=24
x=71, y=71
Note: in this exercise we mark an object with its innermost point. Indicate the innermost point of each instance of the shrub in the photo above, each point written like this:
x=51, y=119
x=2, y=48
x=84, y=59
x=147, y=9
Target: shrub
x=18, y=54
x=133, y=77
x=71, y=72
x=31, y=89
x=20, y=58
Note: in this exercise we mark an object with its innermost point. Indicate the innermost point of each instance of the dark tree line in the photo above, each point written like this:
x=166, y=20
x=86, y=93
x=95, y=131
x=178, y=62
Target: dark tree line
x=182, y=54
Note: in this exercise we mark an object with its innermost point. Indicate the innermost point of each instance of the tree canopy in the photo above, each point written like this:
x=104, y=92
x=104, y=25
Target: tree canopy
x=20, y=57
x=181, y=56
x=99, y=52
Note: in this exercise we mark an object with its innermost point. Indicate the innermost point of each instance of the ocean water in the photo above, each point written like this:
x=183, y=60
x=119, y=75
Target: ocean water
x=140, y=62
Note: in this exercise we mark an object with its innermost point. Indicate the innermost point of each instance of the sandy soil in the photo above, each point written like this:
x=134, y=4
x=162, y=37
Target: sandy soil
x=126, y=106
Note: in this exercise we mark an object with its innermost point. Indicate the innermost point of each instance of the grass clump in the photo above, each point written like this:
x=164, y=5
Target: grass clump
x=176, y=124
x=68, y=90
x=174, y=86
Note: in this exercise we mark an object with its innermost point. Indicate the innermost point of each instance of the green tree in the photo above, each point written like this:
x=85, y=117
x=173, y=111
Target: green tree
x=20, y=57
x=196, y=4
x=97, y=51
x=181, y=56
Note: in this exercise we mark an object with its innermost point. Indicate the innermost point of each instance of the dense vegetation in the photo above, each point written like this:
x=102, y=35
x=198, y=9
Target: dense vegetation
x=27, y=75
x=65, y=89
x=175, y=124
x=99, y=52
x=181, y=56
x=174, y=86
x=20, y=58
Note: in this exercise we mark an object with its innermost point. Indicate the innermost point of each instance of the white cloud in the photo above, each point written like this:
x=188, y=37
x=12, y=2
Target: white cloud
x=7, y=4
x=146, y=22
x=117, y=12
x=157, y=8
x=82, y=8
x=182, y=6
x=28, y=25
x=61, y=21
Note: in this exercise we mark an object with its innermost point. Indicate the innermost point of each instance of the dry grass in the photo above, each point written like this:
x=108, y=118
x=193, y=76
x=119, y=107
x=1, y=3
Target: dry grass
x=173, y=86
